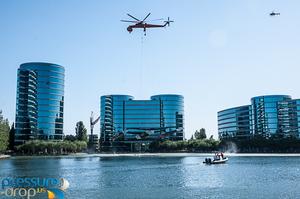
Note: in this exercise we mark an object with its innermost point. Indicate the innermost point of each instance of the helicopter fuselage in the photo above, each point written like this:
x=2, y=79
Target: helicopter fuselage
x=144, y=26
x=274, y=13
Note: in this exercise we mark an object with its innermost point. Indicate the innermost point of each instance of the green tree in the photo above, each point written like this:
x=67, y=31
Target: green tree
x=11, y=140
x=81, y=132
x=71, y=138
x=4, y=132
x=41, y=147
x=192, y=137
x=201, y=134
x=81, y=145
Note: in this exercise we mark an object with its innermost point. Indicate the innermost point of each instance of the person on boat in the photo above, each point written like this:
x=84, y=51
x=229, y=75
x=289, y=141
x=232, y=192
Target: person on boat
x=222, y=155
x=217, y=156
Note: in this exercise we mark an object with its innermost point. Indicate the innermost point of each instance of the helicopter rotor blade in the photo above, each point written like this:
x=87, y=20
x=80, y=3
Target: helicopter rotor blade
x=128, y=21
x=156, y=19
x=133, y=17
x=146, y=17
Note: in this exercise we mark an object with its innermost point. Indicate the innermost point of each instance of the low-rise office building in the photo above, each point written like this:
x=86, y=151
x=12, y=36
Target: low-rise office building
x=266, y=116
x=126, y=122
x=235, y=122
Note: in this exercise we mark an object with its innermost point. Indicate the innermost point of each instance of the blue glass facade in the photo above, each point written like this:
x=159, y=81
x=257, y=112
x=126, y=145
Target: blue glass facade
x=235, y=122
x=295, y=117
x=112, y=116
x=271, y=115
x=268, y=116
x=137, y=120
x=40, y=101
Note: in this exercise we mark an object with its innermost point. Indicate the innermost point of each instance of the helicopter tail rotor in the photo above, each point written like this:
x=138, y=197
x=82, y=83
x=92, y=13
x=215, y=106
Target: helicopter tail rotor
x=168, y=22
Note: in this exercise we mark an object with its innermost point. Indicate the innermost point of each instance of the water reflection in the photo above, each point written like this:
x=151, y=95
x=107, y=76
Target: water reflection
x=164, y=177
x=198, y=175
x=35, y=167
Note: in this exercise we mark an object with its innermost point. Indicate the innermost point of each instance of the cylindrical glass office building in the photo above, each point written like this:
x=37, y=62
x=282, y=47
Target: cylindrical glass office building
x=271, y=115
x=276, y=116
x=140, y=121
x=235, y=122
x=40, y=101
x=172, y=114
x=112, y=116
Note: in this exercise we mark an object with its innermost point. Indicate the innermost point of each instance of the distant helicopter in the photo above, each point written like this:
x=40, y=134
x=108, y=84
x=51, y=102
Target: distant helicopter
x=273, y=13
x=143, y=24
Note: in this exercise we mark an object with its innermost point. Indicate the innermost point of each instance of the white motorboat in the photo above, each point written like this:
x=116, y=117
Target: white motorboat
x=217, y=159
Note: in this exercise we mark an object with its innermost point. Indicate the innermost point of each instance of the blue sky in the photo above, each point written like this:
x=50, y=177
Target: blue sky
x=218, y=54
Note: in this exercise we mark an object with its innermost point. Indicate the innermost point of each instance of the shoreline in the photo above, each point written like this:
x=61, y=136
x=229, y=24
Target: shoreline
x=199, y=155
x=111, y=155
x=4, y=156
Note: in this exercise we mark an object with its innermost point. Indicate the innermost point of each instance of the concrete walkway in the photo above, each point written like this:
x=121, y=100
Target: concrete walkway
x=4, y=156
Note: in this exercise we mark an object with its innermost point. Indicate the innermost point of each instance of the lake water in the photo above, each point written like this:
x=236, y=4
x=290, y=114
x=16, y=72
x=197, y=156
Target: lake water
x=164, y=177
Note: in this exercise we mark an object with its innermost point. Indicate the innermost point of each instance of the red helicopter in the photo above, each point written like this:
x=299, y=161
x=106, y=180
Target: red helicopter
x=143, y=24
